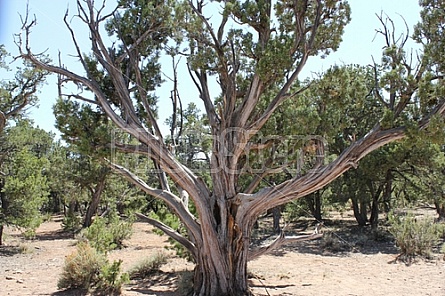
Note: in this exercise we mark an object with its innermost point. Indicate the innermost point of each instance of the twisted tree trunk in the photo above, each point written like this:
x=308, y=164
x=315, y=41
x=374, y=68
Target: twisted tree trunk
x=220, y=231
x=94, y=203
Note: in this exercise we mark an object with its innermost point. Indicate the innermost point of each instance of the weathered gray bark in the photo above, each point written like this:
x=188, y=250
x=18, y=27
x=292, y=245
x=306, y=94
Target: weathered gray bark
x=220, y=232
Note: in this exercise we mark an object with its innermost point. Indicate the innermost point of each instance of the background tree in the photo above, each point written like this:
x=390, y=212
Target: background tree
x=17, y=94
x=254, y=58
x=23, y=186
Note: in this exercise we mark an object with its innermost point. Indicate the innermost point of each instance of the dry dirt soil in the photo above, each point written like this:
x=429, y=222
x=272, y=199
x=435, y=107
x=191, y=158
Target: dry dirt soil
x=362, y=267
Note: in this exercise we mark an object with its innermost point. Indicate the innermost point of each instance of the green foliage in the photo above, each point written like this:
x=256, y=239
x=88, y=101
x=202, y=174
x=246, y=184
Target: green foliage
x=164, y=215
x=111, y=279
x=148, y=266
x=86, y=269
x=23, y=182
x=71, y=222
x=106, y=234
x=85, y=127
x=429, y=32
x=26, y=190
x=415, y=235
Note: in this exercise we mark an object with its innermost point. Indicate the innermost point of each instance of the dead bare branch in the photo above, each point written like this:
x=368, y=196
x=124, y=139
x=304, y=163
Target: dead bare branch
x=280, y=241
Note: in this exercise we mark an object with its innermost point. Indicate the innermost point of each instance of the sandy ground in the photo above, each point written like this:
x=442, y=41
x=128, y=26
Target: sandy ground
x=295, y=270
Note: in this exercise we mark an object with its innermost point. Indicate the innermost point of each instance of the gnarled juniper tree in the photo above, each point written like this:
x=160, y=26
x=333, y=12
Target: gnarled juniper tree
x=255, y=50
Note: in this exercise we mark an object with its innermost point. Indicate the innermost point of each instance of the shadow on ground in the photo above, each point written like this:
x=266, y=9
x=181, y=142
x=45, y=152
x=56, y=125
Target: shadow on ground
x=9, y=251
x=54, y=235
x=341, y=237
x=169, y=281
x=71, y=292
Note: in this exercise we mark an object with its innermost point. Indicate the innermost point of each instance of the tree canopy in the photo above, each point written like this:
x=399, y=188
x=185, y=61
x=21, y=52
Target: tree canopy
x=23, y=183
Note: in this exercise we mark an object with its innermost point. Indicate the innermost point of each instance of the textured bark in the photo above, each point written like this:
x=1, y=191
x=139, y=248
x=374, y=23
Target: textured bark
x=94, y=204
x=230, y=280
x=360, y=211
x=219, y=234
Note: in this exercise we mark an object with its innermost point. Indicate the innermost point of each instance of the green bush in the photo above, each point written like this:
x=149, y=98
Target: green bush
x=148, y=266
x=414, y=236
x=173, y=221
x=29, y=234
x=106, y=234
x=71, y=223
x=88, y=269
x=110, y=279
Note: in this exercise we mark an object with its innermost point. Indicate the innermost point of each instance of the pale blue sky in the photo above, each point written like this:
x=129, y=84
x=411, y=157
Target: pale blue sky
x=51, y=34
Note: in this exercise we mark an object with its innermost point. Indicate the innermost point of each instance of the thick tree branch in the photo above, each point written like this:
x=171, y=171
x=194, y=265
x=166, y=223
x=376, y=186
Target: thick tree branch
x=318, y=178
x=280, y=241
x=282, y=94
x=174, y=202
x=179, y=173
x=170, y=232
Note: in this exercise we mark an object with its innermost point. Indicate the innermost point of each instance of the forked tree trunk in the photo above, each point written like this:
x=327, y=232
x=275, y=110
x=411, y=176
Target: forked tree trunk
x=221, y=230
x=221, y=268
x=94, y=204
x=360, y=211
x=209, y=282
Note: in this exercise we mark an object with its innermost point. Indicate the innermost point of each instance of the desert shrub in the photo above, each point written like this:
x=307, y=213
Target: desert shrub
x=88, y=269
x=29, y=233
x=111, y=279
x=81, y=268
x=148, y=266
x=333, y=243
x=106, y=234
x=23, y=249
x=71, y=223
x=414, y=236
x=173, y=221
